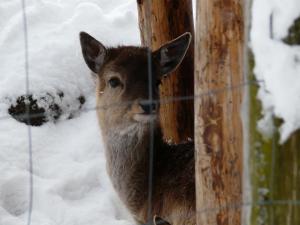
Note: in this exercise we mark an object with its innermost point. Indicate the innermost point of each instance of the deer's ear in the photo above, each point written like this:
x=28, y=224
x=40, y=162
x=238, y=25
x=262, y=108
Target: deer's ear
x=93, y=52
x=170, y=55
x=159, y=221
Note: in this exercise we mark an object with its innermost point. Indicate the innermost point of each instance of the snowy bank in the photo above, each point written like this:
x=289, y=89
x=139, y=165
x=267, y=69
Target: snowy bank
x=277, y=63
x=70, y=182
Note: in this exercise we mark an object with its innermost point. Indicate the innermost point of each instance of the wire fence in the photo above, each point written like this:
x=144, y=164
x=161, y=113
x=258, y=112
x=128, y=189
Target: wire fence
x=166, y=100
x=25, y=27
x=151, y=135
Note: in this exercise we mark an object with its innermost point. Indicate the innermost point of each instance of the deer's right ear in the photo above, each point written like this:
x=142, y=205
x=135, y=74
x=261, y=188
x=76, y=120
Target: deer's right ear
x=93, y=52
x=170, y=55
x=159, y=221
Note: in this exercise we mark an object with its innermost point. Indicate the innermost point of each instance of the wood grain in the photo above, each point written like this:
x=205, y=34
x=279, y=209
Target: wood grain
x=218, y=127
x=167, y=20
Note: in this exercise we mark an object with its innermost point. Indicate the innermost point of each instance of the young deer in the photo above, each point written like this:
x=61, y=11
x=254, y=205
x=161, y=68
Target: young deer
x=125, y=116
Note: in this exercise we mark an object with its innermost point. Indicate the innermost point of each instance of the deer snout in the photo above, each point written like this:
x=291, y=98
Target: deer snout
x=145, y=111
x=149, y=107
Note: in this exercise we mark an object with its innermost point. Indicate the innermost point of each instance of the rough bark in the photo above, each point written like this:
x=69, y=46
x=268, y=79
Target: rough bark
x=166, y=20
x=218, y=127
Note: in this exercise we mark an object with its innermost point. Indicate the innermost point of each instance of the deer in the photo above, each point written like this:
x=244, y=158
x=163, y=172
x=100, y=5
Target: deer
x=126, y=117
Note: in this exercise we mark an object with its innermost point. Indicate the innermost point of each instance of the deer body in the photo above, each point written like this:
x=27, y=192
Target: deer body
x=126, y=118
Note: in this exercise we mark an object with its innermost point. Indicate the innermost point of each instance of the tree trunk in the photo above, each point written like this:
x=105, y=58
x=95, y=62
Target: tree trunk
x=275, y=168
x=166, y=20
x=219, y=61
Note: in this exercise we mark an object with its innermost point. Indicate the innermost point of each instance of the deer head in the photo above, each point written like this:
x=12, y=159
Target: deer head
x=128, y=78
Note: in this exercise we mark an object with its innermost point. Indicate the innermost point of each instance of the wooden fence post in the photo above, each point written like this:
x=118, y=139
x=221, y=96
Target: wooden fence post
x=219, y=62
x=167, y=20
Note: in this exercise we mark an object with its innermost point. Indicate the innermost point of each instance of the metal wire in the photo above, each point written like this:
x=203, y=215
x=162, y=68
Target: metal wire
x=165, y=100
x=239, y=205
x=26, y=57
x=150, y=95
x=235, y=206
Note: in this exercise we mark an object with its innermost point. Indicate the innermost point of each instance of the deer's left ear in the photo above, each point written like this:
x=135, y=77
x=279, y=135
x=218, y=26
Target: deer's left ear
x=169, y=56
x=93, y=52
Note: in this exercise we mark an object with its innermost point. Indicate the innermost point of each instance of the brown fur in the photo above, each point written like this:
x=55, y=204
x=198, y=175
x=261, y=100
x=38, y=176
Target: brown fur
x=127, y=141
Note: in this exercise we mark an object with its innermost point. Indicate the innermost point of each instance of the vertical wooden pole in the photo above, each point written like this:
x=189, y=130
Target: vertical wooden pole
x=219, y=62
x=168, y=20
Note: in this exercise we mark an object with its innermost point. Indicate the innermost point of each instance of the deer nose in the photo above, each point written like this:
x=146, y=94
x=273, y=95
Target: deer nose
x=148, y=106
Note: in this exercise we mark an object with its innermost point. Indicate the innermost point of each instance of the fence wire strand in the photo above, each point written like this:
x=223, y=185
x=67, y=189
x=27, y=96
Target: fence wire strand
x=30, y=162
x=150, y=99
x=239, y=205
x=165, y=100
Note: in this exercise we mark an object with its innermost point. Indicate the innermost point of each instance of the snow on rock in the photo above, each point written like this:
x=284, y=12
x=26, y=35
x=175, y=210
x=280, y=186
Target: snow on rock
x=277, y=64
x=71, y=186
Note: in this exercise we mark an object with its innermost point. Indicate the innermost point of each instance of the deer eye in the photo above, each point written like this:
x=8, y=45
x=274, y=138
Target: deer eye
x=114, y=82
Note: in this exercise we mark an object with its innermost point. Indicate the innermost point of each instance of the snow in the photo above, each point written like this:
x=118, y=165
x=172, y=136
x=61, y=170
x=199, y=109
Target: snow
x=71, y=186
x=277, y=64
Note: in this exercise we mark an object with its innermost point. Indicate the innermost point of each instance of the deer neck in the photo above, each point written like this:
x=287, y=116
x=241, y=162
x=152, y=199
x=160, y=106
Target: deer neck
x=127, y=154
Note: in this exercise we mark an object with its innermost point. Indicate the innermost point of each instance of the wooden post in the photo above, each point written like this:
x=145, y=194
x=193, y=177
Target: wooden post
x=167, y=20
x=219, y=61
x=275, y=168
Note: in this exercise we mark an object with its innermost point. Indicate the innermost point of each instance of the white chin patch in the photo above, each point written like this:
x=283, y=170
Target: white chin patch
x=144, y=118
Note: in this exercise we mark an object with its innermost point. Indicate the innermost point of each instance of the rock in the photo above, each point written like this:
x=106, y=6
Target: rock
x=293, y=37
x=44, y=108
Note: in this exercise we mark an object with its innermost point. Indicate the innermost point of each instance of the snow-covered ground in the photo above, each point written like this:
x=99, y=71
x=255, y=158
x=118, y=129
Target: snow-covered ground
x=277, y=64
x=70, y=182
